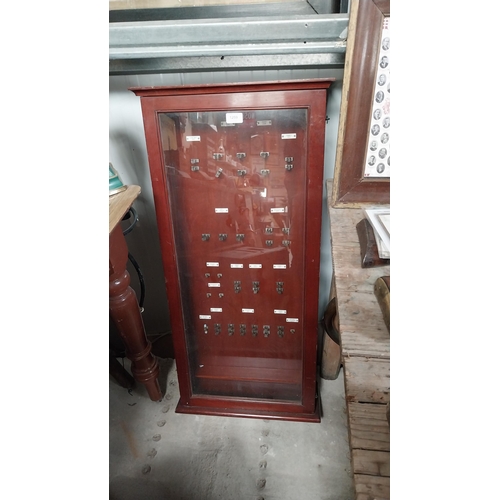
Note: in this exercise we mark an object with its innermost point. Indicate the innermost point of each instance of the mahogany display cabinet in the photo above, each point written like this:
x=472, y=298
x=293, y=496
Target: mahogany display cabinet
x=237, y=177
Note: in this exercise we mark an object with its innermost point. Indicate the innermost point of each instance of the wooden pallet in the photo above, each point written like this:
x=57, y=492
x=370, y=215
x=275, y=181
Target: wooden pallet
x=365, y=348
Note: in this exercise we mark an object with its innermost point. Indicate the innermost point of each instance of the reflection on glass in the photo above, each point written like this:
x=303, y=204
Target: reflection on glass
x=237, y=185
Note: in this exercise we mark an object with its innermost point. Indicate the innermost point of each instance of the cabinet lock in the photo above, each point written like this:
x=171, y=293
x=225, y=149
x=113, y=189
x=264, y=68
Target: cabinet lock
x=195, y=168
x=241, y=155
x=265, y=171
x=218, y=173
x=242, y=173
x=269, y=243
x=217, y=156
x=205, y=237
x=222, y=236
x=240, y=237
x=264, y=154
x=289, y=166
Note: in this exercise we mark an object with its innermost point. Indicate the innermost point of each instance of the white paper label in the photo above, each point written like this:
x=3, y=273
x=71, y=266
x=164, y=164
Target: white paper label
x=205, y=316
x=222, y=210
x=218, y=310
x=262, y=123
x=279, y=210
x=191, y=138
x=292, y=320
x=279, y=266
x=247, y=310
x=237, y=266
x=255, y=266
x=212, y=264
x=280, y=311
x=289, y=136
x=234, y=117
x=214, y=285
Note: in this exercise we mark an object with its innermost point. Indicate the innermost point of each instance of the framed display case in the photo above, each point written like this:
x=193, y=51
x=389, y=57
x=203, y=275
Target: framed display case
x=237, y=177
x=362, y=168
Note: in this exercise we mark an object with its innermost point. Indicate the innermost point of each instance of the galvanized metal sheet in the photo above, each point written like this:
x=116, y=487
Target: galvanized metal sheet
x=214, y=44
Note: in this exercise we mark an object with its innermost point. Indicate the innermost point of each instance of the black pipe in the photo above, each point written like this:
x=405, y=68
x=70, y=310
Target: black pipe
x=141, y=280
x=132, y=211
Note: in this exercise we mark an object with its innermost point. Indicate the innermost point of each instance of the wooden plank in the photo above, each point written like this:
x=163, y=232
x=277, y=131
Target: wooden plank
x=280, y=371
x=371, y=487
x=367, y=380
x=360, y=312
x=369, y=429
x=365, y=344
x=343, y=225
x=359, y=344
x=349, y=274
x=119, y=204
x=372, y=463
x=362, y=327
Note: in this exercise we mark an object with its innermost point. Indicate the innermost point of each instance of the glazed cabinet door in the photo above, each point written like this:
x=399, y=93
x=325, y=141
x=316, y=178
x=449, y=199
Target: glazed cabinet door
x=237, y=179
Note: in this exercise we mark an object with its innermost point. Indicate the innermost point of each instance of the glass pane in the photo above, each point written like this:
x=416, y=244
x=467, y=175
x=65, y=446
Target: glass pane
x=236, y=185
x=378, y=155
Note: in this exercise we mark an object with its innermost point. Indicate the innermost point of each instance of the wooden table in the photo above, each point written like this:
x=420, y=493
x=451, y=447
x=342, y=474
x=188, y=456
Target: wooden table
x=365, y=349
x=123, y=305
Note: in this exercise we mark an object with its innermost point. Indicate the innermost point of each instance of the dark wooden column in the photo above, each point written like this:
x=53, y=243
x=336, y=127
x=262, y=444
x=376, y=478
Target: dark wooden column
x=126, y=314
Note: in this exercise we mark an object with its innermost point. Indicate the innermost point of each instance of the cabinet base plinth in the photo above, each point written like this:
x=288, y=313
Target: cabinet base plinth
x=238, y=412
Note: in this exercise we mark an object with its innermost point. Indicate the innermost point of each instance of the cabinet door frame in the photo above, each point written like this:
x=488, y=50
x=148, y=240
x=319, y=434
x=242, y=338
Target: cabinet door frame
x=301, y=94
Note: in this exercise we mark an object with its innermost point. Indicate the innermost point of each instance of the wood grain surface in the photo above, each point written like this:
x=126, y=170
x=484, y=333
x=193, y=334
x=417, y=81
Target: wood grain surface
x=119, y=204
x=365, y=345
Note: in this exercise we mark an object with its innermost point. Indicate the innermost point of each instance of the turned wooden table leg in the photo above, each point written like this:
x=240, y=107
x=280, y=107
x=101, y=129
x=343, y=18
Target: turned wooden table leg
x=125, y=312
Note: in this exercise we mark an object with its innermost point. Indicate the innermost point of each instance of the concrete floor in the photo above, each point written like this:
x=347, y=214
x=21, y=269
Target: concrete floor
x=155, y=453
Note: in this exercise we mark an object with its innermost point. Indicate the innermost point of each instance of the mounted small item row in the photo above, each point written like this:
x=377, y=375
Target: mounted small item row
x=237, y=176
